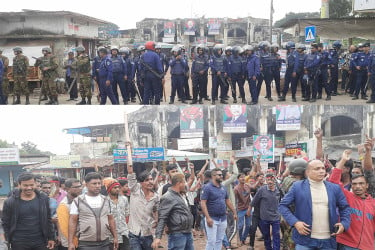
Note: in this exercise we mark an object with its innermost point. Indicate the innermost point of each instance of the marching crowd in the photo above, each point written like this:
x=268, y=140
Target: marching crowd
x=310, y=204
x=142, y=75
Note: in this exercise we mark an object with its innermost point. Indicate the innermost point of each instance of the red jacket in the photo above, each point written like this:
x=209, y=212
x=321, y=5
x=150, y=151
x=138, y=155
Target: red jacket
x=362, y=228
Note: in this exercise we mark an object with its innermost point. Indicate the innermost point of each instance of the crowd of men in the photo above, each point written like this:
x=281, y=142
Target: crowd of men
x=143, y=74
x=314, y=205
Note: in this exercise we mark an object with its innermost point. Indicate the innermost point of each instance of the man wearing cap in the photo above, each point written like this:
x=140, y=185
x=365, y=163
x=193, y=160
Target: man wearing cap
x=120, y=210
x=48, y=65
x=267, y=198
x=311, y=67
x=361, y=63
x=5, y=83
x=20, y=67
x=120, y=75
x=83, y=75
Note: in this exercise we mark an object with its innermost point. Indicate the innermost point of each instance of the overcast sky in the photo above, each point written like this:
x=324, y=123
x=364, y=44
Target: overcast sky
x=43, y=125
x=127, y=13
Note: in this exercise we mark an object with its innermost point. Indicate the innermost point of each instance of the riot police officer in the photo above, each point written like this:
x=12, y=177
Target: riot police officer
x=253, y=72
x=178, y=66
x=361, y=63
x=322, y=73
x=105, y=78
x=266, y=65
x=5, y=82
x=140, y=74
x=199, y=74
x=237, y=73
x=311, y=68
x=165, y=65
x=20, y=70
x=277, y=61
x=95, y=70
x=300, y=71
x=291, y=71
x=48, y=65
x=187, y=73
x=150, y=64
x=125, y=52
x=120, y=75
x=334, y=67
x=219, y=68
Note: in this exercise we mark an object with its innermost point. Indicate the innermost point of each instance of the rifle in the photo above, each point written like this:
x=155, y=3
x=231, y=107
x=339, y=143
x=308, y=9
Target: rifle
x=223, y=80
x=40, y=94
x=165, y=98
x=136, y=90
x=367, y=84
x=160, y=76
x=230, y=83
x=71, y=85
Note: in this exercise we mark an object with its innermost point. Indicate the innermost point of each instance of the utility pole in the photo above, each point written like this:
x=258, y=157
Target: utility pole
x=271, y=20
x=127, y=140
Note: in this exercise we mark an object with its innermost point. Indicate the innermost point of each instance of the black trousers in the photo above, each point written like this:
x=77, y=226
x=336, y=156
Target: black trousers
x=28, y=246
x=74, y=92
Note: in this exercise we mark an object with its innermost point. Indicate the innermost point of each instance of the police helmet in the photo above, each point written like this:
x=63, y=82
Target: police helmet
x=297, y=166
x=264, y=44
x=228, y=48
x=80, y=49
x=158, y=46
x=150, y=45
x=141, y=48
x=248, y=48
x=103, y=50
x=336, y=45
x=206, y=49
x=17, y=49
x=47, y=49
x=125, y=50
x=217, y=48
x=176, y=49
x=360, y=45
x=290, y=45
x=99, y=48
x=237, y=50
x=114, y=48
x=315, y=45
x=366, y=44
x=181, y=46
x=275, y=45
x=301, y=46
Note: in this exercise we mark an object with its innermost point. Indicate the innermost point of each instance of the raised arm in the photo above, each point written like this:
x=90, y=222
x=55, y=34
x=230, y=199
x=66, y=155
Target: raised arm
x=319, y=144
x=367, y=159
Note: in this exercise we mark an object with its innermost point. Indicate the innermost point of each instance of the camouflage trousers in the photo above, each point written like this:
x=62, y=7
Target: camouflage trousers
x=21, y=86
x=286, y=240
x=49, y=87
x=6, y=87
x=85, y=87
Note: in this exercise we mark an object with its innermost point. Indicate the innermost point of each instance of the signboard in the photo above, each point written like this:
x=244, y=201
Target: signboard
x=191, y=122
x=189, y=28
x=310, y=34
x=243, y=153
x=214, y=26
x=9, y=156
x=213, y=142
x=169, y=29
x=139, y=155
x=235, y=119
x=264, y=145
x=362, y=5
x=65, y=161
x=295, y=149
x=288, y=117
x=279, y=142
x=195, y=143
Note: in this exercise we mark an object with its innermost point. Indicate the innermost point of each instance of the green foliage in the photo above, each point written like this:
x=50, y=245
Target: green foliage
x=292, y=15
x=30, y=148
x=4, y=144
x=339, y=8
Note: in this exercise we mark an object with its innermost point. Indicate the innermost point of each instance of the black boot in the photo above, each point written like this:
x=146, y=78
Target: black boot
x=56, y=101
x=234, y=100
x=88, y=101
x=244, y=100
x=83, y=102
x=171, y=100
x=6, y=100
x=194, y=101
x=328, y=98
x=17, y=101
x=200, y=101
x=223, y=101
x=282, y=98
x=44, y=98
x=294, y=98
x=51, y=101
x=184, y=101
x=27, y=101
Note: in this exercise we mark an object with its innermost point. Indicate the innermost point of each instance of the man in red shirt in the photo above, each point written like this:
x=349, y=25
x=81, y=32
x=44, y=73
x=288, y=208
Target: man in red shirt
x=242, y=193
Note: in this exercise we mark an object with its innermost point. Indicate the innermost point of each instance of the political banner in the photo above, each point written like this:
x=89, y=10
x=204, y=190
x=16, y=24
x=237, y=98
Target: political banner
x=295, y=149
x=214, y=26
x=235, y=119
x=169, y=29
x=288, y=117
x=65, y=161
x=189, y=28
x=139, y=155
x=194, y=143
x=264, y=146
x=191, y=121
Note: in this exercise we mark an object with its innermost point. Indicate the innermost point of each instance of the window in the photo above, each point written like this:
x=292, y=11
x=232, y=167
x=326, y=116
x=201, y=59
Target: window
x=341, y=125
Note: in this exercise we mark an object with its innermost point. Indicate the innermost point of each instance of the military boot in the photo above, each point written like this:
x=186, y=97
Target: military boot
x=6, y=100
x=195, y=101
x=88, y=101
x=200, y=101
x=51, y=101
x=244, y=100
x=17, y=101
x=294, y=98
x=282, y=98
x=44, y=98
x=27, y=101
x=171, y=100
x=234, y=100
x=56, y=101
x=83, y=102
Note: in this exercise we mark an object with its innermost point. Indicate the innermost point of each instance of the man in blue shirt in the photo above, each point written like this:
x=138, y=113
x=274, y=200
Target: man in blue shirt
x=178, y=65
x=214, y=200
x=120, y=75
x=105, y=78
x=361, y=63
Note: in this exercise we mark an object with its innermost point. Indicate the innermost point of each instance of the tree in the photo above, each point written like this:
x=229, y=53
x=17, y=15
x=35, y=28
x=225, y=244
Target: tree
x=30, y=148
x=292, y=15
x=340, y=8
x=4, y=144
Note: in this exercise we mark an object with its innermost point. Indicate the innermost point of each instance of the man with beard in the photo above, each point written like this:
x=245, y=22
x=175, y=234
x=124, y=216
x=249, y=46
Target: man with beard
x=214, y=200
x=27, y=217
x=174, y=212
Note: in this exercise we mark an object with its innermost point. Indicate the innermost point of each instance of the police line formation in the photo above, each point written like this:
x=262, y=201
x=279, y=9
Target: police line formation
x=142, y=76
x=314, y=205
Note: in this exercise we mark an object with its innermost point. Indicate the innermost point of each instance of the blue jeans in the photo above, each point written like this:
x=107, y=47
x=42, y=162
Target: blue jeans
x=180, y=241
x=215, y=234
x=140, y=242
x=265, y=227
x=343, y=247
x=318, y=245
x=244, y=223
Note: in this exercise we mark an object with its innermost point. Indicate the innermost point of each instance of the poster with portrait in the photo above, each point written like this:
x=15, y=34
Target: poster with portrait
x=169, y=29
x=288, y=117
x=191, y=121
x=264, y=145
x=189, y=28
x=214, y=26
x=234, y=119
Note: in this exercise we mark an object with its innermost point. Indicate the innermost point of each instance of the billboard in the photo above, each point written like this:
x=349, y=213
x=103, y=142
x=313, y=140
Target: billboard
x=169, y=29
x=189, y=28
x=9, y=156
x=191, y=121
x=194, y=143
x=264, y=146
x=363, y=5
x=295, y=149
x=235, y=119
x=288, y=117
x=214, y=26
x=139, y=155
x=65, y=161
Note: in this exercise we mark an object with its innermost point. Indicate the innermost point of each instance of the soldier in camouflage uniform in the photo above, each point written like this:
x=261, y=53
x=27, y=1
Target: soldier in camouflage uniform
x=5, y=84
x=296, y=169
x=83, y=75
x=48, y=65
x=20, y=69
